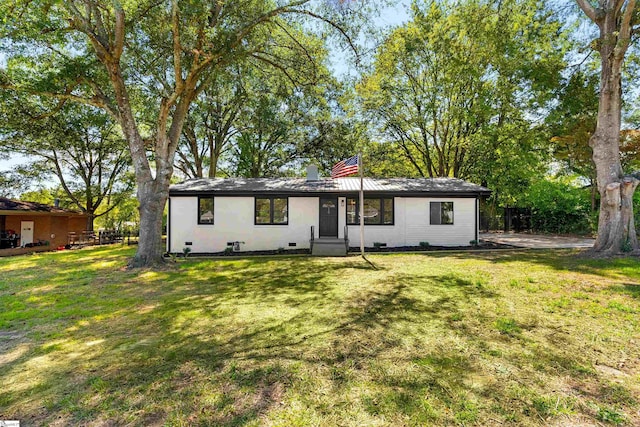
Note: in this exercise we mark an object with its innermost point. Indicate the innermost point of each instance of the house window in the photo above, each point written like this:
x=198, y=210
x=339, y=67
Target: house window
x=441, y=213
x=377, y=211
x=272, y=211
x=205, y=210
x=352, y=211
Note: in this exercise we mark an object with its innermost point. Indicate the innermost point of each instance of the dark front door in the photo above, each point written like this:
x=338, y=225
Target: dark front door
x=328, y=217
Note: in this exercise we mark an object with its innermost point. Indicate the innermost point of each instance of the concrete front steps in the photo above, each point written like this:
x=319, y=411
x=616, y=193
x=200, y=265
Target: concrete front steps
x=329, y=247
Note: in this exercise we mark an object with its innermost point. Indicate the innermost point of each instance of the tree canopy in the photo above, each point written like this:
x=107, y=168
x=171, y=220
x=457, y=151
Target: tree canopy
x=482, y=90
x=145, y=63
x=456, y=89
x=79, y=146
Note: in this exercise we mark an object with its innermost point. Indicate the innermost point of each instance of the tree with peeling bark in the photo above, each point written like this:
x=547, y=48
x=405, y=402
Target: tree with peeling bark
x=157, y=57
x=616, y=229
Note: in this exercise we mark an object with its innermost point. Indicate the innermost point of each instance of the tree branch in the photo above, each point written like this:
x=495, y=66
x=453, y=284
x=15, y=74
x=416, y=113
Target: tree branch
x=177, y=47
x=625, y=26
x=119, y=31
x=588, y=9
x=332, y=24
x=275, y=65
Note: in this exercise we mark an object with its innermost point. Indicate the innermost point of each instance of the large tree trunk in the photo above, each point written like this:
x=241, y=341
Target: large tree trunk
x=150, y=248
x=616, y=231
x=90, y=218
x=152, y=196
x=616, y=228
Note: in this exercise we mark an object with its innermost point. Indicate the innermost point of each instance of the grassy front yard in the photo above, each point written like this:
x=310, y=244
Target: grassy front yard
x=529, y=338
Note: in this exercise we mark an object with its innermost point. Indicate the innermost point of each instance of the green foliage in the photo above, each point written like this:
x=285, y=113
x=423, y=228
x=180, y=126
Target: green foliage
x=559, y=206
x=424, y=244
x=573, y=121
x=451, y=90
x=125, y=216
x=45, y=196
x=15, y=182
x=254, y=121
x=78, y=147
x=186, y=251
x=337, y=134
x=508, y=159
x=281, y=123
x=636, y=210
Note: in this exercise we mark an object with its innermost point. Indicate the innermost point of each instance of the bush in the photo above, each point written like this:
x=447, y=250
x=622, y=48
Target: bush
x=560, y=207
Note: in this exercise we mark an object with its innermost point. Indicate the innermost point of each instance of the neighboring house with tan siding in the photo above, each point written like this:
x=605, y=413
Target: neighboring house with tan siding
x=209, y=215
x=27, y=223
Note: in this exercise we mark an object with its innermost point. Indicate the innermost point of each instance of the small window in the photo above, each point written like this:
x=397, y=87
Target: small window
x=377, y=211
x=205, y=210
x=441, y=213
x=272, y=211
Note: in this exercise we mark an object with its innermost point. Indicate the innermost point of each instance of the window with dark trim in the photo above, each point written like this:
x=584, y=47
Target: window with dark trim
x=205, y=210
x=441, y=213
x=271, y=210
x=377, y=211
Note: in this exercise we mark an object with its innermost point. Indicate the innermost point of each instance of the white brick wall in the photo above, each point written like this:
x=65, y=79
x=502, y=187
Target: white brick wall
x=234, y=221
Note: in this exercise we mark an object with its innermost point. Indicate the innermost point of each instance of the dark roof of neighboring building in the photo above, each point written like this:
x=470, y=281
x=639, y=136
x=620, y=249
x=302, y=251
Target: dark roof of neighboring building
x=20, y=206
x=289, y=186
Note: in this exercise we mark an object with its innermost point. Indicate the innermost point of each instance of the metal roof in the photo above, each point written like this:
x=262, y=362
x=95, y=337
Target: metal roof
x=246, y=186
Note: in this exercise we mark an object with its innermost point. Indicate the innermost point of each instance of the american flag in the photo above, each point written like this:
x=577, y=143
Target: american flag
x=345, y=167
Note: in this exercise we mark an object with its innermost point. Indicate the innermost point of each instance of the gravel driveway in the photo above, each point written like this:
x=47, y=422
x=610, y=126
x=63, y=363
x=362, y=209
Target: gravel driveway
x=537, y=241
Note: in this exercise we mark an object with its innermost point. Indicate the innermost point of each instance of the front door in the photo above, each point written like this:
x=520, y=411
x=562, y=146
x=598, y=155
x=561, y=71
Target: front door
x=328, y=217
x=26, y=232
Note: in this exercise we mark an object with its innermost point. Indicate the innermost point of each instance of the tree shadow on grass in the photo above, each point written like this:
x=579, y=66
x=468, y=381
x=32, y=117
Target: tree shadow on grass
x=182, y=353
x=629, y=289
x=140, y=346
x=148, y=350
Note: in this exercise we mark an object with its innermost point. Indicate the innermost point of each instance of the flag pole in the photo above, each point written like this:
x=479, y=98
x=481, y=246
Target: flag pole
x=361, y=169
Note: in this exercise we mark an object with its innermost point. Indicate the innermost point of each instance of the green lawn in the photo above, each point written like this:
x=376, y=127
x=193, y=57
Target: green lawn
x=528, y=338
